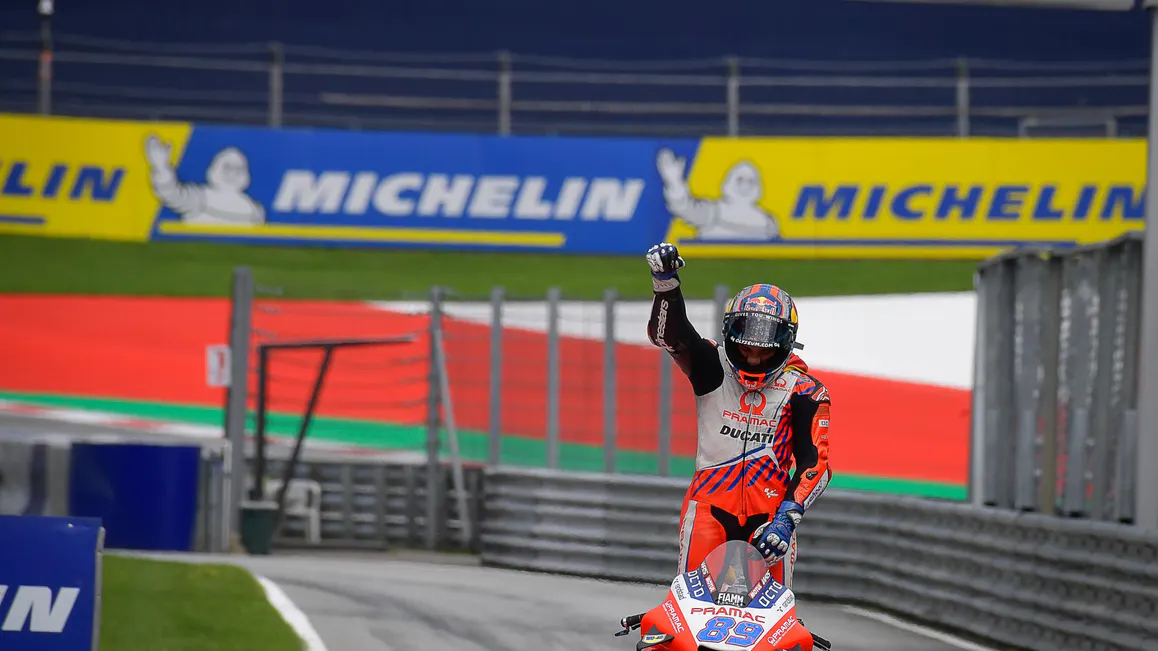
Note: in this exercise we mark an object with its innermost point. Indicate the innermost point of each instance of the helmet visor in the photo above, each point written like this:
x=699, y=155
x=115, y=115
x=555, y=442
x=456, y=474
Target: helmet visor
x=763, y=330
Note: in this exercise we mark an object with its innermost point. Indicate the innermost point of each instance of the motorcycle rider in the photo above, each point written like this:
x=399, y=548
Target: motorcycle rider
x=757, y=408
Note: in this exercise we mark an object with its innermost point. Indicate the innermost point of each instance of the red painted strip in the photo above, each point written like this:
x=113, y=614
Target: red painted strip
x=153, y=349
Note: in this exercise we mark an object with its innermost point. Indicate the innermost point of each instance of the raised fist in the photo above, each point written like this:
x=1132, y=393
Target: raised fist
x=664, y=260
x=670, y=167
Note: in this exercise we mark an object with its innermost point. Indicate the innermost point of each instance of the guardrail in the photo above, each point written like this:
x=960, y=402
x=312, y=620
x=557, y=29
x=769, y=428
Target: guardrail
x=1028, y=580
x=377, y=503
x=1055, y=413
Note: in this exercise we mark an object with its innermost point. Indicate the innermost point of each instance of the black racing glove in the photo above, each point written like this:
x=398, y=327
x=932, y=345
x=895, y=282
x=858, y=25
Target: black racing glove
x=665, y=261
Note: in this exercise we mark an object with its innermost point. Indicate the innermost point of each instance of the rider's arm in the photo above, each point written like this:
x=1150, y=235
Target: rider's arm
x=670, y=329
x=810, y=414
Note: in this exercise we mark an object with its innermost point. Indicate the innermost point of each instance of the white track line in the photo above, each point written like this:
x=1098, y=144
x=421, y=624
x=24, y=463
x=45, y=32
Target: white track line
x=292, y=614
x=917, y=629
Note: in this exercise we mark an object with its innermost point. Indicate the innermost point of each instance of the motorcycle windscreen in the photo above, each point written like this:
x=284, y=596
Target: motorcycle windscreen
x=736, y=570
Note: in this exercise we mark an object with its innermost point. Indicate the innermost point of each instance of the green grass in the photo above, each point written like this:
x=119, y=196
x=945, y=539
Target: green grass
x=80, y=266
x=150, y=605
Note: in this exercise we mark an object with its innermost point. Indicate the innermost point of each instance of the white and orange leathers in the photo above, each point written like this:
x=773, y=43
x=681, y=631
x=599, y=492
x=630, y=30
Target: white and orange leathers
x=747, y=442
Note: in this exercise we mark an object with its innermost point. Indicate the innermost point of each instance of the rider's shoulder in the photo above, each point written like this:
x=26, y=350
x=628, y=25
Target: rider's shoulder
x=809, y=386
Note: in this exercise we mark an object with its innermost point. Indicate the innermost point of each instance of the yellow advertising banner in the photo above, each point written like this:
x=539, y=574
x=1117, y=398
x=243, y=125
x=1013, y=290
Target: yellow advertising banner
x=70, y=177
x=950, y=198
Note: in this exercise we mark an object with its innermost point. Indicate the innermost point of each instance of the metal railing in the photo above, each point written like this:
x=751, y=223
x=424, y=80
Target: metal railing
x=381, y=503
x=279, y=85
x=556, y=383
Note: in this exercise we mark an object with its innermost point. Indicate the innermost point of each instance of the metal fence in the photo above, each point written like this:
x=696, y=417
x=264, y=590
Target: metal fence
x=533, y=381
x=552, y=383
x=276, y=84
x=1055, y=425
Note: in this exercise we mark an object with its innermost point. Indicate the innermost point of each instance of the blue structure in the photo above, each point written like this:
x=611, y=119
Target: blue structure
x=846, y=34
x=145, y=495
x=51, y=575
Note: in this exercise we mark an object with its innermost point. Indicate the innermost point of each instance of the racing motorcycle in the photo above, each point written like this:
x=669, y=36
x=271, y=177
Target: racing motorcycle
x=729, y=603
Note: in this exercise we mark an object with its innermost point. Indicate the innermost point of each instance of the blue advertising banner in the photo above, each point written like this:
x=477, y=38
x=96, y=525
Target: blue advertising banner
x=49, y=583
x=398, y=189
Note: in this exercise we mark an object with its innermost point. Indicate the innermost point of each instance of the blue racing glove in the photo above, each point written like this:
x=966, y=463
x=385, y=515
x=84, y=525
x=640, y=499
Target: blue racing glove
x=664, y=260
x=773, y=538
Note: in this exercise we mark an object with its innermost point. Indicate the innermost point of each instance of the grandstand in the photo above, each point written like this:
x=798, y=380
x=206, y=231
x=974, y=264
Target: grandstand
x=821, y=67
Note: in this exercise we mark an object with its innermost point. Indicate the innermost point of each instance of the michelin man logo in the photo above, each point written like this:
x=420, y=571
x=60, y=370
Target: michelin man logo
x=736, y=215
x=220, y=201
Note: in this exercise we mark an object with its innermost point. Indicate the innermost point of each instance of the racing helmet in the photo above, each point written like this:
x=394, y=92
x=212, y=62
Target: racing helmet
x=762, y=316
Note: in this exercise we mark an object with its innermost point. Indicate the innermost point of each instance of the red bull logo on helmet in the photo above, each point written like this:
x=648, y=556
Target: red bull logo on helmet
x=764, y=304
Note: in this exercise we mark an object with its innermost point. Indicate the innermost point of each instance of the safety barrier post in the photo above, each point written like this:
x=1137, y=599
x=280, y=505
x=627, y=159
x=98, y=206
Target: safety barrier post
x=553, y=297
x=494, y=454
x=433, y=423
x=978, y=420
x=720, y=296
x=505, y=93
x=1146, y=494
x=1051, y=343
x=237, y=399
x=610, y=296
x=733, y=101
x=276, y=84
x=44, y=78
x=447, y=401
x=962, y=98
x=663, y=441
x=1129, y=434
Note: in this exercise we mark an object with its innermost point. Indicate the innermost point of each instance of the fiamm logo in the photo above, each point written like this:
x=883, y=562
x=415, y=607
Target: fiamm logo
x=968, y=202
x=18, y=179
x=32, y=605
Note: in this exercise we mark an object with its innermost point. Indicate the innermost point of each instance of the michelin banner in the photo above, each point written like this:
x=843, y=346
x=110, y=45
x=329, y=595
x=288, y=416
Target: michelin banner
x=716, y=197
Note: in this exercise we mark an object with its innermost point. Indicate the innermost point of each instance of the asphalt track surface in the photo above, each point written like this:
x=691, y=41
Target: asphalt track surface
x=409, y=602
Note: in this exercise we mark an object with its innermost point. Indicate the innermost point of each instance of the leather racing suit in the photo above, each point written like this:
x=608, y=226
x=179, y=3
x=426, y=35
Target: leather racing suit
x=746, y=440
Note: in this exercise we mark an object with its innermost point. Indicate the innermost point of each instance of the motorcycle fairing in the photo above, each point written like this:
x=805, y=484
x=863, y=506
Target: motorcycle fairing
x=653, y=637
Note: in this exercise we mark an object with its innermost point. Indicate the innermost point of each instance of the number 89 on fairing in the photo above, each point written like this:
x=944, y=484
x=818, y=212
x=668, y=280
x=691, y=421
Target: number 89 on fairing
x=742, y=633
